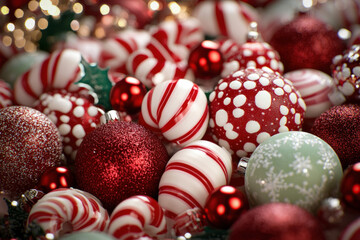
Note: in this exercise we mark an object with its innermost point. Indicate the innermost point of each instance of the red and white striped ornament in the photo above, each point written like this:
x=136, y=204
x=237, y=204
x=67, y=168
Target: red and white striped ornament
x=352, y=231
x=228, y=47
x=190, y=176
x=68, y=210
x=178, y=109
x=59, y=71
x=138, y=217
x=227, y=18
x=117, y=49
x=6, y=95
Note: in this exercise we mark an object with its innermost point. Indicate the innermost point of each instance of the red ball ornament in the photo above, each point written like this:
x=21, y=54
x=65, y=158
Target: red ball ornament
x=56, y=177
x=224, y=206
x=346, y=72
x=120, y=159
x=206, y=60
x=249, y=106
x=276, y=221
x=29, y=144
x=338, y=126
x=306, y=42
x=258, y=3
x=350, y=186
x=127, y=95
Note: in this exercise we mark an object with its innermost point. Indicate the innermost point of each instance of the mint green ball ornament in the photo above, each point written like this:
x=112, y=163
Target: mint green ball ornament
x=293, y=167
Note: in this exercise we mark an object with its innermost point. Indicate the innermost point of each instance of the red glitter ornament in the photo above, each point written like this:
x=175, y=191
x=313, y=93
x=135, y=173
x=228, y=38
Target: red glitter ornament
x=350, y=186
x=224, y=206
x=120, y=159
x=127, y=95
x=29, y=144
x=276, y=221
x=339, y=127
x=307, y=42
x=56, y=177
x=206, y=60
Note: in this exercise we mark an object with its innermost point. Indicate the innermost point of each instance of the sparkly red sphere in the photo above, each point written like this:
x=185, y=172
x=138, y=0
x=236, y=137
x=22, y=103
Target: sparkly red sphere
x=339, y=127
x=127, y=95
x=206, y=60
x=56, y=177
x=307, y=42
x=120, y=159
x=350, y=186
x=224, y=206
x=280, y=221
x=29, y=144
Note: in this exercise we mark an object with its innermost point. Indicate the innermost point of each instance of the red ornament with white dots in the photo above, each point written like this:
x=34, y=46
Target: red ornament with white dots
x=73, y=115
x=249, y=106
x=350, y=186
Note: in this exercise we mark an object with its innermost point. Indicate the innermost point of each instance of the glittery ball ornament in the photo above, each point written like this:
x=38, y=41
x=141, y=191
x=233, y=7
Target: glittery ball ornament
x=249, y=106
x=276, y=221
x=224, y=206
x=338, y=126
x=56, y=177
x=306, y=42
x=127, y=95
x=127, y=159
x=294, y=167
x=29, y=144
x=346, y=72
x=74, y=116
x=206, y=60
x=350, y=186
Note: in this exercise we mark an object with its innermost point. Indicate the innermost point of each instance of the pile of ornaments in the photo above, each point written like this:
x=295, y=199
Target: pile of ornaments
x=189, y=125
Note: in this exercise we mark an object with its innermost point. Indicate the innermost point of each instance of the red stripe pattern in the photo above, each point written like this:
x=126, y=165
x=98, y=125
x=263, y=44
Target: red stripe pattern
x=191, y=175
x=81, y=210
x=59, y=71
x=136, y=217
x=178, y=109
x=6, y=95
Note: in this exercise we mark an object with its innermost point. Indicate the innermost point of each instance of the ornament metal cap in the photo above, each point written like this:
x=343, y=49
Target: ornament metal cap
x=110, y=116
x=253, y=34
x=242, y=165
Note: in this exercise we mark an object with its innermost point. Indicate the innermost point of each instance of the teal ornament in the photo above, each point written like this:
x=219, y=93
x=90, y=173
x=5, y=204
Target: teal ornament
x=293, y=167
x=87, y=236
x=97, y=81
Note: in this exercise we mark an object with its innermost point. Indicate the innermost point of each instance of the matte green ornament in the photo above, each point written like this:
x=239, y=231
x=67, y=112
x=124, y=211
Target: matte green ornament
x=293, y=167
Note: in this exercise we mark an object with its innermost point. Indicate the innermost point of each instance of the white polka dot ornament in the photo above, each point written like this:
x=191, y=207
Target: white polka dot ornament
x=178, y=109
x=249, y=106
x=67, y=210
x=138, y=217
x=73, y=115
x=6, y=95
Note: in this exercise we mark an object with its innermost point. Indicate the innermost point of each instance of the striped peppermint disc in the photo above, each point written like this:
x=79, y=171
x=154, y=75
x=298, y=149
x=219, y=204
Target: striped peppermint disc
x=58, y=71
x=191, y=175
x=65, y=210
x=316, y=89
x=178, y=108
x=116, y=50
x=226, y=18
x=6, y=95
x=136, y=217
x=351, y=232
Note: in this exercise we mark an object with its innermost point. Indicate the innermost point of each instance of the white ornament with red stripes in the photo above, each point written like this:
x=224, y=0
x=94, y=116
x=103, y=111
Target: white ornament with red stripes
x=178, y=109
x=138, y=217
x=316, y=89
x=352, y=231
x=227, y=18
x=228, y=47
x=6, y=95
x=117, y=49
x=59, y=71
x=68, y=210
x=191, y=175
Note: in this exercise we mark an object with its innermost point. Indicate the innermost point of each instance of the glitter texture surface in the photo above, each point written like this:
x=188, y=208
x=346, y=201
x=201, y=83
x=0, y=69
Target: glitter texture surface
x=29, y=144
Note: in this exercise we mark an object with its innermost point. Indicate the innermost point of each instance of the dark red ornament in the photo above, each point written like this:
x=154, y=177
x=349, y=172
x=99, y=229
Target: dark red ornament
x=258, y=3
x=339, y=127
x=206, y=60
x=276, y=221
x=224, y=206
x=127, y=95
x=120, y=159
x=350, y=186
x=56, y=177
x=307, y=42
